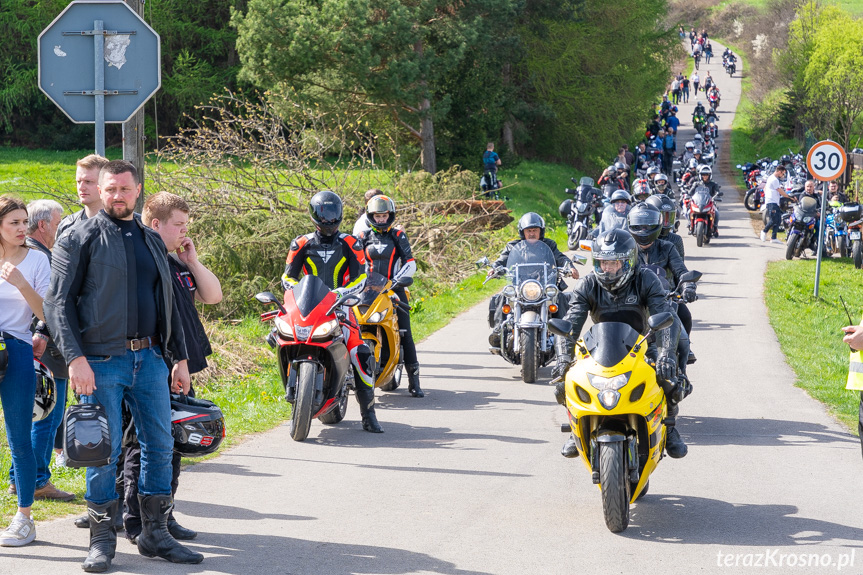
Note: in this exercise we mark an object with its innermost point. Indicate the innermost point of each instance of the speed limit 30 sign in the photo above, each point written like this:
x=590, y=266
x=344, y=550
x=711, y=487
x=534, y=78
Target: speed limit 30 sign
x=826, y=161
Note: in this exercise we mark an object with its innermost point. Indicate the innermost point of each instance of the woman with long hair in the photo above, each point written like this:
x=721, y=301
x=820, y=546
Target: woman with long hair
x=24, y=278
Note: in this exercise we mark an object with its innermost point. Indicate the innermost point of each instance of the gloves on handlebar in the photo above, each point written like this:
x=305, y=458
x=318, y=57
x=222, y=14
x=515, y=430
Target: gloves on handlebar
x=666, y=367
x=689, y=294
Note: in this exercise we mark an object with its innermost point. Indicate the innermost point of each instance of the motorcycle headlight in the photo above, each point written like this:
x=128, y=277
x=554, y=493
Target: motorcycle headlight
x=509, y=291
x=808, y=219
x=326, y=329
x=531, y=290
x=600, y=383
x=609, y=399
x=550, y=292
x=378, y=316
x=284, y=328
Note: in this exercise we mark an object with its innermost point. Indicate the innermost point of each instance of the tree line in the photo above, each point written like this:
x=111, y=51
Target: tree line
x=565, y=80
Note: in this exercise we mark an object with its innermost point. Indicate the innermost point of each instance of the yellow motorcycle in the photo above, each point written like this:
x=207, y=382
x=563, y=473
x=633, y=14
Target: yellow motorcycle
x=379, y=327
x=616, y=411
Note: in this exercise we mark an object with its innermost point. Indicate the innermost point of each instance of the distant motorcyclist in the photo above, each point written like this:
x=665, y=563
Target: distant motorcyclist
x=641, y=190
x=614, y=217
x=531, y=227
x=688, y=154
x=669, y=218
x=611, y=176
x=705, y=175
x=699, y=109
x=620, y=289
x=338, y=260
x=661, y=184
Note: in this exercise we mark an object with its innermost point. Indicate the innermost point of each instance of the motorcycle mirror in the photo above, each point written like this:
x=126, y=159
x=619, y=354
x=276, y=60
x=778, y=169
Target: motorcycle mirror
x=690, y=276
x=483, y=261
x=268, y=298
x=559, y=327
x=403, y=282
x=739, y=167
x=658, y=321
x=580, y=260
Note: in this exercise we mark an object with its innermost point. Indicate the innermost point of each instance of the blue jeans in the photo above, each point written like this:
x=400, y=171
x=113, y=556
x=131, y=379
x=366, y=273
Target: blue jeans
x=16, y=393
x=774, y=219
x=141, y=378
x=42, y=437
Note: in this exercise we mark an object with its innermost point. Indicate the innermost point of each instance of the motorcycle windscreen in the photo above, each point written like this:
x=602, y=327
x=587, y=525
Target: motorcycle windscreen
x=701, y=199
x=375, y=284
x=309, y=293
x=808, y=205
x=609, y=342
x=585, y=181
x=532, y=259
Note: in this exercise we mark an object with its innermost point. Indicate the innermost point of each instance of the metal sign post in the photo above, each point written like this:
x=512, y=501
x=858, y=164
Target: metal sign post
x=826, y=161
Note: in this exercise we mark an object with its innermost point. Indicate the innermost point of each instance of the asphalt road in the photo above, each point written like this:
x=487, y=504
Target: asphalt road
x=469, y=480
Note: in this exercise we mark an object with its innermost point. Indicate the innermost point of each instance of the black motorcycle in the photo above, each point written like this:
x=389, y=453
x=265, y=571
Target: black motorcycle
x=583, y=213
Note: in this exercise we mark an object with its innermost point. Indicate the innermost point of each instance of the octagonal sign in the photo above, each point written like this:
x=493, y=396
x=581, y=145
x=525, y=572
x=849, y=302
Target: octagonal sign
x=130, y=66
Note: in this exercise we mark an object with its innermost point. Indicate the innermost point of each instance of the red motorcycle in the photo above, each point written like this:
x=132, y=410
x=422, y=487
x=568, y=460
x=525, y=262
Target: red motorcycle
x=701, y=210
x=310, y=346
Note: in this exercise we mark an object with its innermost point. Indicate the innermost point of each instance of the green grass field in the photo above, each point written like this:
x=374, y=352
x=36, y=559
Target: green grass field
x=853, y=6
x=813, y=348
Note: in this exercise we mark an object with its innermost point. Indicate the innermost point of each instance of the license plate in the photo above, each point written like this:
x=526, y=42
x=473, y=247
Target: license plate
x=854, y=235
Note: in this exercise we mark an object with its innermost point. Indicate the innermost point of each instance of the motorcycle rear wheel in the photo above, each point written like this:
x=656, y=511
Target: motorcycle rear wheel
x=857, y=253
x=842, y=246
x=791, y=246
x=529, y=359
x=301, y=415
x=338, y=414
x=614, y=482
x=699, y=234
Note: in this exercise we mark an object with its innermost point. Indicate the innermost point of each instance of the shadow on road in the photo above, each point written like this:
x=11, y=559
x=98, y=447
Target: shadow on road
x=452, y=400
x=242, y=470
x=772, y=432
x=218, y=511
x=712, y=325
x=699, y=520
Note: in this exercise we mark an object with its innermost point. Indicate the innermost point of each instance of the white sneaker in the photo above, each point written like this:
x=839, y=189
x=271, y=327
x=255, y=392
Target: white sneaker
x=20, y=532
x=60, y=459
x=776, y=241
x=763, y=236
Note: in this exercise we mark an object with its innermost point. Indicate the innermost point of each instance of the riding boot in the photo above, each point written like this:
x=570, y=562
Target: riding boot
x=564, y=349
x=414, y=380
x=366, y=399
x=155, y=540
x=674, y=445
x=570, y=448
x=179, y=532
x=103, y=537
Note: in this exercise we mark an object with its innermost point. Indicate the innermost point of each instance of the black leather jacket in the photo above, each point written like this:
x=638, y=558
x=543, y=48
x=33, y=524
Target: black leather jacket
x=675, y=240
x=663, y=254
x=85, y=306
x=642, y=297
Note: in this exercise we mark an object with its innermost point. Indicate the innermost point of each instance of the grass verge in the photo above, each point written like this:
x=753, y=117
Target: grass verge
x=813, y=348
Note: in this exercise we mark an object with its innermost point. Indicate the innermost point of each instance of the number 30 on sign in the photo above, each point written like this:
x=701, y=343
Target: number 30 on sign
x=826, y=161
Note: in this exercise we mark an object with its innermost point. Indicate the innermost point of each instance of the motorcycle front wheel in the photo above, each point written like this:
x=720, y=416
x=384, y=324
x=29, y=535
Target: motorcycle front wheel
x=751, y=200
x=301, y=415
x=338, y=414
x=614, y=481
x=529, y=359
x=791, y=246
x=699, y=234
x=576, y=237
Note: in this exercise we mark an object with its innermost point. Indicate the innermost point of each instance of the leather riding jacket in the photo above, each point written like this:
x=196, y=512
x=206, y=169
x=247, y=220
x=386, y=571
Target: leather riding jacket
x=640, y=298
x=662, y=253
x=388, y=253
x=338, y=260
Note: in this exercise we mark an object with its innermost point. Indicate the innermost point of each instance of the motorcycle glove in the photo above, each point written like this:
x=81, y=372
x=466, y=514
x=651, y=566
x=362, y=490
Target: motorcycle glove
x=666, y=367
x=689, y=294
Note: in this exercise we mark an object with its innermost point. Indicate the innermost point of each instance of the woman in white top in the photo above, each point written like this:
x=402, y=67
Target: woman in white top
x=24, y=278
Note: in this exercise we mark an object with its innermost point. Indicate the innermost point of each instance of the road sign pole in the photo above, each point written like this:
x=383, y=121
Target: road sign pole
x=133, y=130
x=99, y=60
x=822, y=234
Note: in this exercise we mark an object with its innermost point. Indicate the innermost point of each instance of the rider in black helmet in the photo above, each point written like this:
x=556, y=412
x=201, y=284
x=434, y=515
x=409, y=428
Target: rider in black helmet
x=338, y=260
x=619, y=289
x=669, y=219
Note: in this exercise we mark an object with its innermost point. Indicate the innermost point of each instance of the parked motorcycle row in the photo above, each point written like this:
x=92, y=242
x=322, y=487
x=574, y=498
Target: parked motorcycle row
x=801, y=216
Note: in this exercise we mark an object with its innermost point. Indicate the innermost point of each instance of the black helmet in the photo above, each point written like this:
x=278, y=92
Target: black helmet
x=615, y=245
x=620, y=166
x=197, y=425
x=621, y=195
x=669, y=211
x=326, y=210
x=381, y=205
x=46, y=391
x=531, y=220
x=640, y=189
x=645, y=223
x=565, y=207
